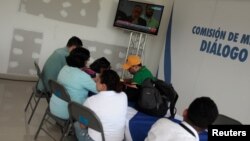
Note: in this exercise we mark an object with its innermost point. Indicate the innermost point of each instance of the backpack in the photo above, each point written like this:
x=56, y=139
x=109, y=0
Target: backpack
x=156, y=98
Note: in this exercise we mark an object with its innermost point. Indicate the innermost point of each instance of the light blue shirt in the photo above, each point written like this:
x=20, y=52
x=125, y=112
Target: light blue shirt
x=52, y=66
x=77, y=83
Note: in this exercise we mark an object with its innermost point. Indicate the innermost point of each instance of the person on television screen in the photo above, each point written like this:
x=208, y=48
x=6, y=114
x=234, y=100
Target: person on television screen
x=135, y=17
x=149, y=17
x=121, y=16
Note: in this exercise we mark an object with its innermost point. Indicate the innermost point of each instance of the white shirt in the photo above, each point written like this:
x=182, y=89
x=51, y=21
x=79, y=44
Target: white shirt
x=167, y=130
x=111, y=108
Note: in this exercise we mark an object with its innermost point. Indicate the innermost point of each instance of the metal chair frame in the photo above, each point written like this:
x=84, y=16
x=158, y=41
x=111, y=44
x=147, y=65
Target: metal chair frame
x=78, y=111
x=41, y=94
x=62, y=93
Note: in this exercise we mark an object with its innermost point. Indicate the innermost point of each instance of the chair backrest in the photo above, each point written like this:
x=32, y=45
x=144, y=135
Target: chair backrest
x=40, y=76
x=59, y=90
x=225, y=120
x=38, y=71
x=85, y=116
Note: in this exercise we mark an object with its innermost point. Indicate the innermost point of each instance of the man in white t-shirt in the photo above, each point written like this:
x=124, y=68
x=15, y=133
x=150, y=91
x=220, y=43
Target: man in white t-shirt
x=110, y=105
x=201, y=113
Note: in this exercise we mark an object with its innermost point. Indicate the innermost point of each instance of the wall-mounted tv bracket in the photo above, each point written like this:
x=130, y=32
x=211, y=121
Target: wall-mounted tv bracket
x=136, y=46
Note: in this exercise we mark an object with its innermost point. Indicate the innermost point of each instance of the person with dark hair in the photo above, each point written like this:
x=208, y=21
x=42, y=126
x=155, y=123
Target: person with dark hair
x=74, y=41
x=121, y=16
x=139, y=72
x=110, y=105
x=78, y=58
x=149, y=17
x=135, y=17
x=56, y=61
x=200, y=113
x=99, y=65
x=76, y=82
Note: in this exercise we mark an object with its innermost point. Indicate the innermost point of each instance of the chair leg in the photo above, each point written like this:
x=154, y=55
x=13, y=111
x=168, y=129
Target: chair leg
x=29, y=101
x=33, y=111
x=65, y=131
x=41, y=124
x=47, y=95
x=49, y=134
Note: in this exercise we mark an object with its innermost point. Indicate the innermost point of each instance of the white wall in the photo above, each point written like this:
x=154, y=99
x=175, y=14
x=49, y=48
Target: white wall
x=56, y=33
x=196, y=73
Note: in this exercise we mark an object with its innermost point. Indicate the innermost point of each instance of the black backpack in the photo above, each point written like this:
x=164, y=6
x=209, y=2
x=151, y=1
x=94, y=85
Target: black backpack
x=156, y=98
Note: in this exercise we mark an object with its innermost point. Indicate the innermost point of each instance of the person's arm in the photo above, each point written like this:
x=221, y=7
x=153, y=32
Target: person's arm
x=127, y=80
x=89, y=72
x=129, y=83
x=89, y=84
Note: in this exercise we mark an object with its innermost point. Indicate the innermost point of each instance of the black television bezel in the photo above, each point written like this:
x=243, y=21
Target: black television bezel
x=129, y=29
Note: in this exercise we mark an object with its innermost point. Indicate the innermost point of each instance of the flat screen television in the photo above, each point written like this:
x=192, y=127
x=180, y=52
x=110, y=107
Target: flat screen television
x=138, y=16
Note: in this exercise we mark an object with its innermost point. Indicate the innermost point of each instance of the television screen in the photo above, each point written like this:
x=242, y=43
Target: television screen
x=137, y=16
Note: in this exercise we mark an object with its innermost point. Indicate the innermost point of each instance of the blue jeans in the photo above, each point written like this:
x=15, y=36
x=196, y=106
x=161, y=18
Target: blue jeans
x=81, y=133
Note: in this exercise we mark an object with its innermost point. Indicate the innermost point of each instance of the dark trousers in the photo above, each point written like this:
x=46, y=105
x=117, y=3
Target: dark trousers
x=132, y=93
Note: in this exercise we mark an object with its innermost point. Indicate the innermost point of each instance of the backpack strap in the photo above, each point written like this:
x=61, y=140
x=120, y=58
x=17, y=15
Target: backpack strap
x=187, y=129
x=172, y=106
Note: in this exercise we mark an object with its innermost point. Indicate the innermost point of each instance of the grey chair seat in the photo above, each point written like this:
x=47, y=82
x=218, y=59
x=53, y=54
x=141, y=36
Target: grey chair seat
x=225, y=120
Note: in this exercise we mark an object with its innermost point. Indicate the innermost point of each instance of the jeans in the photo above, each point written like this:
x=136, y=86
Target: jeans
x=81, y=133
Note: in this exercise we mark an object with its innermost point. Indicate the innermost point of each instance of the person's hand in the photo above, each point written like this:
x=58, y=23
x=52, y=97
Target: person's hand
x=82, y=126
x=133, y=85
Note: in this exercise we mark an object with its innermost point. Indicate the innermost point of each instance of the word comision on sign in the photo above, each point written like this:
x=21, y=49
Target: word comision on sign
x=221, y=49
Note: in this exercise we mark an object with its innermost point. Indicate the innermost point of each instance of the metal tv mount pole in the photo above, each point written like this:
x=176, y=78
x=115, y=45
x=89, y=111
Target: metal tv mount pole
x=136, y=45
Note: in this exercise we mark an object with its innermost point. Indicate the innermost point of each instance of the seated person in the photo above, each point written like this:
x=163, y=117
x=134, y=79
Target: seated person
x=110, y=105
x=76, y=82
x=139, y=72
x=98, y=66
x=56, y=61
x=201, y=113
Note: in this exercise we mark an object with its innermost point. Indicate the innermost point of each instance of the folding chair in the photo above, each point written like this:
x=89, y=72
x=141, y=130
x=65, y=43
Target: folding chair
x=86, y=116
x=225, y=120
x=59, y=91
x=36, y=95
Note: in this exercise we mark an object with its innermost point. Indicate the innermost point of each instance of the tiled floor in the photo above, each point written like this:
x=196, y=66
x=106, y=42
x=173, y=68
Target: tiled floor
x=13, y=120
